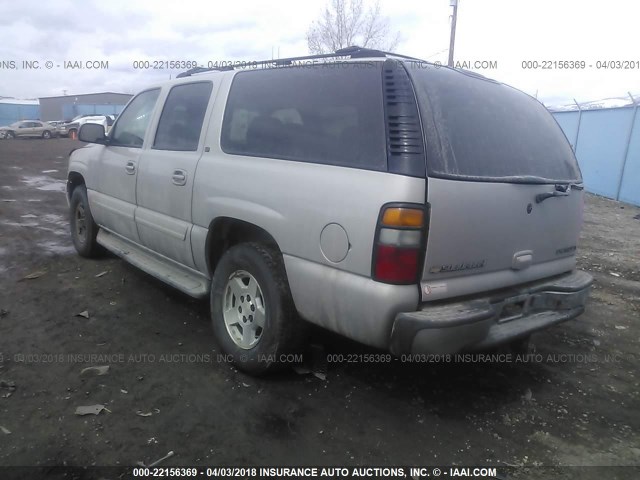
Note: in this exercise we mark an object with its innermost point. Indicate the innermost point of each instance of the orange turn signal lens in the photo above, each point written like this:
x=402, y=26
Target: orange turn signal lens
x=403, y=217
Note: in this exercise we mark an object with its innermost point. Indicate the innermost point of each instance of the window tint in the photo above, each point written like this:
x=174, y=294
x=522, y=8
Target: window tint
x=132, y=124
x=331, y=114
x=181, y=120
x=488, y=131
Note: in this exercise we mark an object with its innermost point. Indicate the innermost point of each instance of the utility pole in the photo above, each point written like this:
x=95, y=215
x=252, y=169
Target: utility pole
x=452, y=41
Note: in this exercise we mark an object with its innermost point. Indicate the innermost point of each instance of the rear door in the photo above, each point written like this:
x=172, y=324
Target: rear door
x=37, y=129
x=504, y=188
x=167, y=169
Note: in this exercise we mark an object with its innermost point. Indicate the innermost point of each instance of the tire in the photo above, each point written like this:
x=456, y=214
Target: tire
x=83, y=229
x=250, y=293
x=46, y=134
x=9, y=136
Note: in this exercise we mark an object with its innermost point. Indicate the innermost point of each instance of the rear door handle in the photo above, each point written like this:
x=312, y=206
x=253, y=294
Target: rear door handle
x=179, y=177
x=130, y=167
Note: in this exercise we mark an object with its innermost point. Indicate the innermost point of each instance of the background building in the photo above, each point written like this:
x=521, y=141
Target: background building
x=12, y=110
x=68, y=106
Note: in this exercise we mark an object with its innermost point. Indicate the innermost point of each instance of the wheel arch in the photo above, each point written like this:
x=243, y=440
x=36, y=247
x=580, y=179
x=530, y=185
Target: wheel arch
x=226, y=232
x=74, y=179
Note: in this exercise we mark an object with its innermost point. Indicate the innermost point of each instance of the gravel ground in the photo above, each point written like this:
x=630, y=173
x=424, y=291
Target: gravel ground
x=576, y=401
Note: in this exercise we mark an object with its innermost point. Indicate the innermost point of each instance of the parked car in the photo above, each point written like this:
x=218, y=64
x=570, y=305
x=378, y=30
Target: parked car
x=409, y=207
x=28, y=128
x=72, y=127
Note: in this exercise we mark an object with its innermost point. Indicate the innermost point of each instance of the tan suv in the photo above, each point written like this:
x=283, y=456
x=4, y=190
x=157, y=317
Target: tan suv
x=28, y=128
x=408, y=206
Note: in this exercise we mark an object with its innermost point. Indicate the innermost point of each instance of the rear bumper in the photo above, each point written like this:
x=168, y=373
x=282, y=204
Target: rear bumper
x=484, y=322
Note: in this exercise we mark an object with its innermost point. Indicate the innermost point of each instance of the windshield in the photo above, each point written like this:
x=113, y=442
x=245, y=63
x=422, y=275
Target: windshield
x=480, y=129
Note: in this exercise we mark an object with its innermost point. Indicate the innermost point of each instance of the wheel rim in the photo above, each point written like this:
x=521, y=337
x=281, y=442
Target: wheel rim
x=81, y=223
x=244, y=309
x=46, y=134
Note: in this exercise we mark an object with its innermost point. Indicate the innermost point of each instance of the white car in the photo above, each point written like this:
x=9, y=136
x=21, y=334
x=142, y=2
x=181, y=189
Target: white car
x=71, y=128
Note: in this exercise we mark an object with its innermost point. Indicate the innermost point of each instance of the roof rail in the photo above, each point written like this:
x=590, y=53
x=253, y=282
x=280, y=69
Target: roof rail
x=351, y=52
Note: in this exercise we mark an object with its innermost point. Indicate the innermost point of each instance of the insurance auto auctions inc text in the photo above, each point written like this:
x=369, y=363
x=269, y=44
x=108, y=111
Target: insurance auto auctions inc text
x=378, y=472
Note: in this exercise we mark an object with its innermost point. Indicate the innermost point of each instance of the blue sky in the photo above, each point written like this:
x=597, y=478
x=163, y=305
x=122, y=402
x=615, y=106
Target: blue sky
x=502, y=31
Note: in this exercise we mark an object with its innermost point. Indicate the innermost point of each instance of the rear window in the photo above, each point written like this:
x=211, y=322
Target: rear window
x=330, y=114
x=483, y=130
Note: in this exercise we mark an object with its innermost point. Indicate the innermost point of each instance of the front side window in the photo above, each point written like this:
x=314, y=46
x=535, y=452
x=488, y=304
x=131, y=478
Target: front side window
x=130, y=129
x=182, y=116
x=330, y=114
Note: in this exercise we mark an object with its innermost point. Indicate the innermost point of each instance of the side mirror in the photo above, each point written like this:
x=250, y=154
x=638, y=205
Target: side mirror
x=92, y=133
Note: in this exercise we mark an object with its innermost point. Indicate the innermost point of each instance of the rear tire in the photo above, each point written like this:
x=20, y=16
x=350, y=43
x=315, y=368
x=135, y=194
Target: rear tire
x=254, y=319
x=83, y=229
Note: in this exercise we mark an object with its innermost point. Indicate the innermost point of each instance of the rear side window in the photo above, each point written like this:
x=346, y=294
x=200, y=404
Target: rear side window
x=483, y=130
x=330, y=114
x=182, y=116
x=129, y=130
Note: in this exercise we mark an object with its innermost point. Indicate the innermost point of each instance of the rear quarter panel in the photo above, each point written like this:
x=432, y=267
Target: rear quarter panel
x=294, y=202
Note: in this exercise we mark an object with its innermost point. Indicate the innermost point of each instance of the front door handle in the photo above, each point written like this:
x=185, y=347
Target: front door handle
x=179, y=177
x=130, y=167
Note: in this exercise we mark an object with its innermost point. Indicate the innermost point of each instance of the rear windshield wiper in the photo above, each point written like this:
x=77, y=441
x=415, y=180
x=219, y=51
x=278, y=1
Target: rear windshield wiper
x=561, y=190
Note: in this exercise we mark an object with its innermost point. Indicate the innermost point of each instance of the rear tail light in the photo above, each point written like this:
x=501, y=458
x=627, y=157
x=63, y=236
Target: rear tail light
x=399, y=243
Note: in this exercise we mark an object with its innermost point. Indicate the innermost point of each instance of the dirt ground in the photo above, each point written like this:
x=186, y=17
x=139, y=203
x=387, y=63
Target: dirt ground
x=576, y=402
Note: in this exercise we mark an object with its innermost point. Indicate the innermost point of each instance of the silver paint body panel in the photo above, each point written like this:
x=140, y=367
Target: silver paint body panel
x=161, y=221
x=486, y=223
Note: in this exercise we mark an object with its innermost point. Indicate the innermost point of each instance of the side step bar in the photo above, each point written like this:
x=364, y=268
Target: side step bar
x=188, y=281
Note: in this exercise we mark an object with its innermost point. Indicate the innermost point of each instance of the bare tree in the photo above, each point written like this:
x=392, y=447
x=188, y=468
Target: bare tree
x=347, y=22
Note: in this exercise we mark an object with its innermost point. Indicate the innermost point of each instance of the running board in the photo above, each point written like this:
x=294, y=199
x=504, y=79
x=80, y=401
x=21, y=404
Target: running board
x=184, y=279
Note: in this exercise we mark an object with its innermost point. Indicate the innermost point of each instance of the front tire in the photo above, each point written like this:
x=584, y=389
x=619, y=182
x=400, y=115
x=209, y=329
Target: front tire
x=46, y=134
x=83, y=229
x=9, y=136
x=253, y=315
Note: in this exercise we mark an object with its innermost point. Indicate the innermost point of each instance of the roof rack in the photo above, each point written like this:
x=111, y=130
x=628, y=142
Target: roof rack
x=351, y=52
